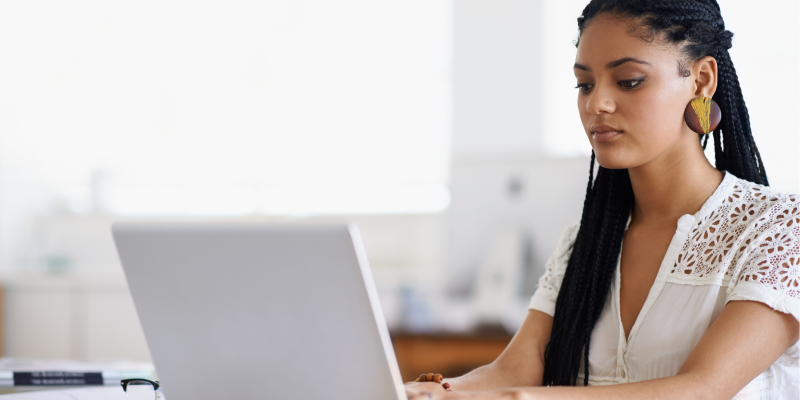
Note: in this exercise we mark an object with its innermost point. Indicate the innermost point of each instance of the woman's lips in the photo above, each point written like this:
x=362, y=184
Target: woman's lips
x=605, y=136
x=603, y=133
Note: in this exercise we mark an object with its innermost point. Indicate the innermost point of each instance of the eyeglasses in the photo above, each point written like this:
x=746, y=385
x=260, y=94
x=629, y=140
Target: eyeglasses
x=142, y=389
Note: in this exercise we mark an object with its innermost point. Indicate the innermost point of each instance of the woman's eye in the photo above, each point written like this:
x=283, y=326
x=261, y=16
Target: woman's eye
x=585, y=87
x=630, y=83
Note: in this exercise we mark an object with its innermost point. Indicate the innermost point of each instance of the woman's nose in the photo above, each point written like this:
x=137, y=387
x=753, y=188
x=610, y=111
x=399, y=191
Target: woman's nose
x=600, y=101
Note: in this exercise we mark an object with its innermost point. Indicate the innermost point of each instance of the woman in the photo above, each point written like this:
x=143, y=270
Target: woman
x=681, y=280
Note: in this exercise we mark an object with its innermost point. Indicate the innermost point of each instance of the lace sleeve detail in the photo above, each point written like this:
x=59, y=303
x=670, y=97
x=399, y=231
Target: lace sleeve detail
x=770, y=273
x=544, y=299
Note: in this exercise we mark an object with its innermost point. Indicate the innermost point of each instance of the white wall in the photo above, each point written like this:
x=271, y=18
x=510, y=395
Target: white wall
x=766, y=55
x=497, y=65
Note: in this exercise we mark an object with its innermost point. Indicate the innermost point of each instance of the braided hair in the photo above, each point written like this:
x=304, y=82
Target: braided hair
x=697, y=27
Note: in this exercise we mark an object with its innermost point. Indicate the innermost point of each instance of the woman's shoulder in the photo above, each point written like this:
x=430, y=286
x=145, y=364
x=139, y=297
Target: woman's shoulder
x=749, y=243
x=761, y=207
x=762, y=193
x=557, y=263
x=568, y=236
x=748, y=221
x=746, y=208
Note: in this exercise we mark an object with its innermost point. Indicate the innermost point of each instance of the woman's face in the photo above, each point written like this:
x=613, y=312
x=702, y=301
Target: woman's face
x=631, y=95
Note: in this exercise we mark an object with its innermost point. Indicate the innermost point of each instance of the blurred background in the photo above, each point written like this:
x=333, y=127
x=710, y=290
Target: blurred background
x=447, y=130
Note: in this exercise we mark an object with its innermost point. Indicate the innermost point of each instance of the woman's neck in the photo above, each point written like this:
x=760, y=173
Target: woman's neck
x=676, y=183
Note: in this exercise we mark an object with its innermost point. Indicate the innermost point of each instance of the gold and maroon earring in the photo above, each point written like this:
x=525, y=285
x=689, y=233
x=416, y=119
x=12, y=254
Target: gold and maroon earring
x=702, y=115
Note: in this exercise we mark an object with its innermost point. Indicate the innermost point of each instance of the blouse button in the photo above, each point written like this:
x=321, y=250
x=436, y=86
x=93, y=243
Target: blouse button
x=622, y=373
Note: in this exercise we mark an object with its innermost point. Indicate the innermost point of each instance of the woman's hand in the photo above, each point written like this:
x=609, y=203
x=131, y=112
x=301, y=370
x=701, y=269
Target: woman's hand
x=435, y=391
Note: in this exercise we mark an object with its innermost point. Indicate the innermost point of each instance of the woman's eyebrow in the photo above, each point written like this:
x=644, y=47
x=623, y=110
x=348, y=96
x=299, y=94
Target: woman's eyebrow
x=614, y=64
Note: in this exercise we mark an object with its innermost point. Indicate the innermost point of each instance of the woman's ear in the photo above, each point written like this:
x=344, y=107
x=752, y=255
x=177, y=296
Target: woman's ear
x=705, y=77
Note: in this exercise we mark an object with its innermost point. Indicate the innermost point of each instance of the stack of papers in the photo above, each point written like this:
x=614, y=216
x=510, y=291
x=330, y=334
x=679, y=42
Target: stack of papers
x=32, y=372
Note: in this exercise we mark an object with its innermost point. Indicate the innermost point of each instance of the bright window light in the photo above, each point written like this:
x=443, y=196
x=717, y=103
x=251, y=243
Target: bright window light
x=224, y=108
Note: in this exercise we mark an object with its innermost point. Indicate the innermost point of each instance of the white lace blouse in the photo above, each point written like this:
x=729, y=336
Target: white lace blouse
x=743, y=244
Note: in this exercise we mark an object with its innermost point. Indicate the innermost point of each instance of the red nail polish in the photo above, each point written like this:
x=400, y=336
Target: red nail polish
x=446, y=386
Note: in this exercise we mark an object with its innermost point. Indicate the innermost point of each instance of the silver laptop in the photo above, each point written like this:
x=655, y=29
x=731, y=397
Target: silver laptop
x=259, y=311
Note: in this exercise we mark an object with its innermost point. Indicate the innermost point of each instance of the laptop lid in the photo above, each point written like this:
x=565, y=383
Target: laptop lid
x=259, y=311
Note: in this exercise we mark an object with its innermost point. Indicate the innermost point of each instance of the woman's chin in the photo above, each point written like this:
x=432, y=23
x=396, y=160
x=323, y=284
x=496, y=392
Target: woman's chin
x=610, y=160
